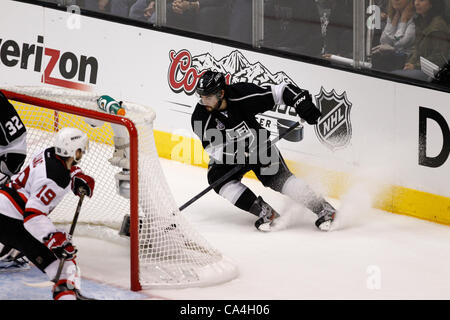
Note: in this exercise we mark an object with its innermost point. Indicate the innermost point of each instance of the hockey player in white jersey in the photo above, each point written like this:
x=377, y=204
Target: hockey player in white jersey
x=32, y=194
x=224, y=120
x=13, y=150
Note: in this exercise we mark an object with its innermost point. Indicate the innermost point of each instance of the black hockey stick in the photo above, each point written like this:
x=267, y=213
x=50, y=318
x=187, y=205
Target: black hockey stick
x=61, y=263
x=72, y=230
x=236, y=169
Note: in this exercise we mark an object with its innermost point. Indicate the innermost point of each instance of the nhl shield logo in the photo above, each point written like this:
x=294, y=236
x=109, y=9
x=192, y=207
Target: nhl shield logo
x=333, y=129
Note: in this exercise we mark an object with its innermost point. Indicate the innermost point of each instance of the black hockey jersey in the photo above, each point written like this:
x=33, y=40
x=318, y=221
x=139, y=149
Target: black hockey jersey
x=11, y=126
x=229, y=132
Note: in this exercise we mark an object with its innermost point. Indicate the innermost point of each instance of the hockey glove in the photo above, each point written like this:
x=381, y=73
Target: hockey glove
x=59, y=243
x=301, y=100
x=81, y=181
x=305, y=107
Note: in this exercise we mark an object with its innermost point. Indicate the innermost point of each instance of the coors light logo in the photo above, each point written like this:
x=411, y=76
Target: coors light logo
x=185, y=70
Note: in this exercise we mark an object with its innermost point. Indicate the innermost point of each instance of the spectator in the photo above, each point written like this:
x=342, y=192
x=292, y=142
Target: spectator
x=181, y=14
x=397, y=39
x=144, y=10
x=432, y=41
x=199, y=16
x=293, y=26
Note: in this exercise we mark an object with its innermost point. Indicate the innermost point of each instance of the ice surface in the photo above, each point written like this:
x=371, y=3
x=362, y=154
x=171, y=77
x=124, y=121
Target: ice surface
x=372, y=255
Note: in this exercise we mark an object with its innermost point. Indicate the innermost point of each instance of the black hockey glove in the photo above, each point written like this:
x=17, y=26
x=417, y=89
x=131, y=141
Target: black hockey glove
x=306, y=108
x=301, y=100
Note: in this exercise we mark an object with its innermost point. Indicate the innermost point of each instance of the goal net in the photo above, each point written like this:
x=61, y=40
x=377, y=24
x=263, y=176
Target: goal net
x=165, y=250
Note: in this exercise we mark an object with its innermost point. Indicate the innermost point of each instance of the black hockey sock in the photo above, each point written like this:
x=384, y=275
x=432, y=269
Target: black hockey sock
x=246, y=200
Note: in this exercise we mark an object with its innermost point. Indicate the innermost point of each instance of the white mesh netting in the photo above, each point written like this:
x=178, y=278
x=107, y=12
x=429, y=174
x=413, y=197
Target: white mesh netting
x=171, y=252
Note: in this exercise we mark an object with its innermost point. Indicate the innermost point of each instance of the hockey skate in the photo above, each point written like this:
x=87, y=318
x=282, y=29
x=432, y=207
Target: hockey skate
x=326, y=217
x=82, y=297
x=14, y=263
x=266, y=214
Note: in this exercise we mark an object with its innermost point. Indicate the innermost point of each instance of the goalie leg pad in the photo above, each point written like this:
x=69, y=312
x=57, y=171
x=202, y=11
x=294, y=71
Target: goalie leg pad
x=123, y=183
x=121, y=155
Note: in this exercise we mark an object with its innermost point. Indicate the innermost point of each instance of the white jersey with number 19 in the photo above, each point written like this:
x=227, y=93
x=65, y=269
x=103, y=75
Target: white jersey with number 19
x=35, y=191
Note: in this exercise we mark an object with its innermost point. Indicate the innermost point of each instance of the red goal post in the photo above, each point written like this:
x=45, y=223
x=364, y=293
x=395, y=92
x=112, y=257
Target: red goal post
x=184, y=257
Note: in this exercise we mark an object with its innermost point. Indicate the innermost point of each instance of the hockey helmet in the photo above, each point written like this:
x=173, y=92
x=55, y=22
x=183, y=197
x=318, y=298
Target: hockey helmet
x=210, y=83
x=69, y=140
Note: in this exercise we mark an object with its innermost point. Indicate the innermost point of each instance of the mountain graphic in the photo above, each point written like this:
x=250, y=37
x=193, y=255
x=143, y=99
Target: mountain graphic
x=234, y=62
x=240, y=69
x=207, y=62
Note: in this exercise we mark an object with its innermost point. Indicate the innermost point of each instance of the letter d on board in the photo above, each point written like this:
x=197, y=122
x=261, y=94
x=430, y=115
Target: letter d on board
x=439, y=160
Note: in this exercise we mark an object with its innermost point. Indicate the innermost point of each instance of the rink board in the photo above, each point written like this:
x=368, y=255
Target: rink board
x=393, y=135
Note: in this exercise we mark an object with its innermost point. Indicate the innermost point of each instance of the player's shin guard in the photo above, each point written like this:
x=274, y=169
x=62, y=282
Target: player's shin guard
x=266, y=214
x=298, y=190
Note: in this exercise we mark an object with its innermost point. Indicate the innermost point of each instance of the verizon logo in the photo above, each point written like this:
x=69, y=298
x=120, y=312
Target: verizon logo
x=71, y=67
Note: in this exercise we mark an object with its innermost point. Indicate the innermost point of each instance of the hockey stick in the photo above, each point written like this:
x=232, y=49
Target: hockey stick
x=61, y=263
x=72, y=230
x=237, y=168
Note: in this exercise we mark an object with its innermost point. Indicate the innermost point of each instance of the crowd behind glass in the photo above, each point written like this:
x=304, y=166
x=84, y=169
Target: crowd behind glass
x=408, y=38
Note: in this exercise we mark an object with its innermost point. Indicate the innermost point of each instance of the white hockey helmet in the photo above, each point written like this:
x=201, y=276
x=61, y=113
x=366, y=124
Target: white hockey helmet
x=69, y=140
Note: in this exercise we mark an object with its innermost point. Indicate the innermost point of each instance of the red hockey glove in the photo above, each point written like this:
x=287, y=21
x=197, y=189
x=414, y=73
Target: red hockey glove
x=81, y=180
x=59, y=243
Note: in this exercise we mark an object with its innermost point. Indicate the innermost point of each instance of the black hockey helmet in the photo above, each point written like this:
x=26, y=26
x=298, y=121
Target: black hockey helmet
x=210, y=82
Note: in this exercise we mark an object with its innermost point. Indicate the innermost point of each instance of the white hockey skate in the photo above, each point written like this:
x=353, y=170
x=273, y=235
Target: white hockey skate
x=326, y=217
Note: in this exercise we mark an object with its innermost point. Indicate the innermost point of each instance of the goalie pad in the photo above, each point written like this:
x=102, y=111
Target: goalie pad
x=123, y=183
x=121, y=155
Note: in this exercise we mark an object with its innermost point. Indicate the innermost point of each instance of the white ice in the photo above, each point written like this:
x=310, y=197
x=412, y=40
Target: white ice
x=372, y=255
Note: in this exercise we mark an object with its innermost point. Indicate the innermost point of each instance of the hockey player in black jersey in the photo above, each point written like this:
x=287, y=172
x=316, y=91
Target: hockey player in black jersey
x=13, y=150
x=224, y=120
